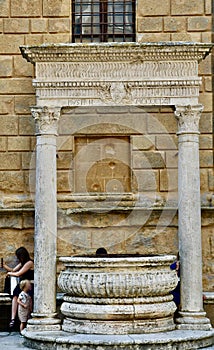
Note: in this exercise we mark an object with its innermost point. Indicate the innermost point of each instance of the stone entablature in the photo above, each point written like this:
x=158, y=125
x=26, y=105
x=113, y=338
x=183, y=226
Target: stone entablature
x=117, y=74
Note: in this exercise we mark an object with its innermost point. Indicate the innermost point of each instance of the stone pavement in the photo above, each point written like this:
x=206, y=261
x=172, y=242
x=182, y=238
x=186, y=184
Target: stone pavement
x=13, y=341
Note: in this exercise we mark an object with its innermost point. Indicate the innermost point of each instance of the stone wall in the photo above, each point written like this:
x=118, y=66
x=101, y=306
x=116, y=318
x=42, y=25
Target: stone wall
x=152, y=134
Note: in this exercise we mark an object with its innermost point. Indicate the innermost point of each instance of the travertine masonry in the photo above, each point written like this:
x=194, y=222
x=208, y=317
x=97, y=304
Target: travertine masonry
x=48, y=21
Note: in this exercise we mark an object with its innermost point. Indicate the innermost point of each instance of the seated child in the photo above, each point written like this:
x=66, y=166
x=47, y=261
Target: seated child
x=24, y=303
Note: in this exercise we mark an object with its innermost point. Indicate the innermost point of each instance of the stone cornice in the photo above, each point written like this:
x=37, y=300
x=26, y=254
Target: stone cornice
x=116, y=52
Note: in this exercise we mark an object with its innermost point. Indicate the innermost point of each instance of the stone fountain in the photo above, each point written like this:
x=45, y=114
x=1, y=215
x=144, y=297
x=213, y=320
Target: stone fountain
x=118, y=294
x=117, y=302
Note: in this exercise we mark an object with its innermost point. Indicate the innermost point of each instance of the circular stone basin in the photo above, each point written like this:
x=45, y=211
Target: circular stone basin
x=118, y=294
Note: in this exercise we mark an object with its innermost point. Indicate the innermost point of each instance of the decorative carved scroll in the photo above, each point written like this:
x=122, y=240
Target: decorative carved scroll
x=46, y=120
x=188, y=118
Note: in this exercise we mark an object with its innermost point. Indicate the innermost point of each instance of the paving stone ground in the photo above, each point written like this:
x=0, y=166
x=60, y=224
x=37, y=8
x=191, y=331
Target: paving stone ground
x=13, y=341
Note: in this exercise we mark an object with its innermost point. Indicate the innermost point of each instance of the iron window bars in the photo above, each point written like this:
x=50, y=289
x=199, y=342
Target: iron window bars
x=103, y=21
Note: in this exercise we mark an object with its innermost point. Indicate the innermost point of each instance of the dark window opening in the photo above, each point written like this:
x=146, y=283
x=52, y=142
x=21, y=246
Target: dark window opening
x=103, y=21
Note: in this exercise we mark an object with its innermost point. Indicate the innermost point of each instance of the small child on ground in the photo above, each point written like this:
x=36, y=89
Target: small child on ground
x=24, y=303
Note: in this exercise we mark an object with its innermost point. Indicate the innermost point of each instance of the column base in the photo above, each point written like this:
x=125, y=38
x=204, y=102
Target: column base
x=41, y=322
x=193, y=321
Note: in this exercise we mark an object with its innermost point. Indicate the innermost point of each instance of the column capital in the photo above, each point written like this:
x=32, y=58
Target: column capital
x=46, y=119
x=188, y=118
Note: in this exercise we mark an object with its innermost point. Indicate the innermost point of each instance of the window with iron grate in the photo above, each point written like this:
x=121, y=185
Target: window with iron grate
x=103, y=21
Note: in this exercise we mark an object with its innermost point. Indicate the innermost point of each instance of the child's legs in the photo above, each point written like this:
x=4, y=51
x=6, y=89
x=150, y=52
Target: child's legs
x=22, y=326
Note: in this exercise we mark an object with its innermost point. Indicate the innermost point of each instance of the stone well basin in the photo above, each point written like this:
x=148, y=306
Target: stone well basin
x=117, y=294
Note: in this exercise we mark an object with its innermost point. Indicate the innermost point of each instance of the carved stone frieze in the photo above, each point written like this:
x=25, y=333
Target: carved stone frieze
x=60, y=71
x=188, y=118
x=46, y=120
x=117, y=73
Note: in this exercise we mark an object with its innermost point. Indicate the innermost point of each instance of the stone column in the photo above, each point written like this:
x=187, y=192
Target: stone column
x=44, y=314
x=191, y=315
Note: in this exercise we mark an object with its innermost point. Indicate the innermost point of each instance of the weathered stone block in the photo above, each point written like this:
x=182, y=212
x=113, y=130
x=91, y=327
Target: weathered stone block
x=65, y=143
x=167, y=141
x=64, y=160
x=26, y=8
x=204, y=180
x=16, y=86
x=28, y=160
x=205, y=66
x=19, y=25
x=56, y=38
x=150, y=8
x=22, y=68
x=39, y=25
x=150, y=24
x=8, y=125
x=4, y=8
x=59, y=25
x=174, y=24
x=26, y=125
x=1, y=25
x=199, y=23
x=10, y=43
x=196, y=37
x=171, y=159
x=12, y=182
x=206, y=123
x=206, y=99
x=184, y=7
x=146, y=142
x=56, y=8
x=206, y=159
x=206, y=37
x=9, y=161
x=147, y=240
x=181, y=37
x=208, y=84
x=206, y=142
x=148, y=160
x=6, y=66
x=211, y=179
x=3, y=143
x=6, y=104
x=23, y=103
x=28, y=220
x=168, y=180
x=208, y=7
x=146, y=180
x=34, y=39
x=64, y=181
x=30, y=182
x=20, y=143
x=33, y=143
x=162, y=123
x=9, y=220
x=153, y=37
